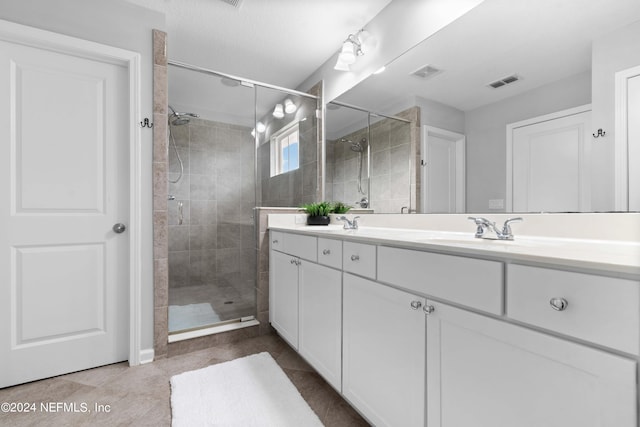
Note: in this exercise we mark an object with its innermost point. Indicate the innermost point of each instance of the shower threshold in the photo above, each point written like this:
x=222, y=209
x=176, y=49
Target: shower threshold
x=218, y=328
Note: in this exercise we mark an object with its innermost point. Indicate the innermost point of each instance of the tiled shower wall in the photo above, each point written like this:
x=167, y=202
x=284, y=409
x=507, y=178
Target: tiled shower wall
x=392, y=166
x=214, y=244
x=304, y=184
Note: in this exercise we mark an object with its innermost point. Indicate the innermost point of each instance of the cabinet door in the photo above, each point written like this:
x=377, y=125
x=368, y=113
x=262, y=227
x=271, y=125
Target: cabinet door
x=320, y=325
x=383, y=352
x=283, y=296
x=484, y=372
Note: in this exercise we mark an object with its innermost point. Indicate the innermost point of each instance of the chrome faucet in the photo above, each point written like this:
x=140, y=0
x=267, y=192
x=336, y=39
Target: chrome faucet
x=363, y=203
x=483, y=224
x=349, y=224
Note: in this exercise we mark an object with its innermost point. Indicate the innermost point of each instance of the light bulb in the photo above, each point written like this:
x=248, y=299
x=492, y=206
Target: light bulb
x=341, y=66
x=368, y=42
x=347, y=54
x=278, y=112
x=260, y=127
x=289, y=106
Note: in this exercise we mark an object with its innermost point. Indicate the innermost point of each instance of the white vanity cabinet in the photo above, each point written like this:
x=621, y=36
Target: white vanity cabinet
x=283, y=295
x=485, y=372
x=305, y=303
x=320, y=320
x=455, y=340
x=383, y=352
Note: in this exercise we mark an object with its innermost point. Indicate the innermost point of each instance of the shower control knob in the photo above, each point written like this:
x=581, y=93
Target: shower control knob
x=119, y=228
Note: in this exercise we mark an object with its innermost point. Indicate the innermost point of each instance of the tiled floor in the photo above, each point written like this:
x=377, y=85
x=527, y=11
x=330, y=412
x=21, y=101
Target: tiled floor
x=140, y=395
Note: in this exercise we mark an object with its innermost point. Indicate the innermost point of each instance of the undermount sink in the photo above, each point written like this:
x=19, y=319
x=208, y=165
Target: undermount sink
x=484, y=242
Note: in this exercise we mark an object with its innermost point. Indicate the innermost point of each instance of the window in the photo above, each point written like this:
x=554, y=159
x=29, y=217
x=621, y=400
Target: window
x=285, y=150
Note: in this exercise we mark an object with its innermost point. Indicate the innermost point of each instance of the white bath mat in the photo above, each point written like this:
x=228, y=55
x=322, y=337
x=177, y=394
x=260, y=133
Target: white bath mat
x=248, y=392
x=191, y=316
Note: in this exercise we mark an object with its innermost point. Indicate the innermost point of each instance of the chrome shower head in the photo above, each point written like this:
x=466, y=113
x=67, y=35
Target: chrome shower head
x=178, y=119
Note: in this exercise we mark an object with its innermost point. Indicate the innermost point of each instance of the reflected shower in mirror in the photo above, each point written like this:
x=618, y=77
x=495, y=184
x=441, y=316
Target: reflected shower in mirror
x=368, y=160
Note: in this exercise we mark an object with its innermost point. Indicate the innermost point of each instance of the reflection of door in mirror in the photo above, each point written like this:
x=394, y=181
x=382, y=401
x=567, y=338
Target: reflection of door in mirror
x=627, y=140
x=550, y=163
x=633, y=135
x=442, y=174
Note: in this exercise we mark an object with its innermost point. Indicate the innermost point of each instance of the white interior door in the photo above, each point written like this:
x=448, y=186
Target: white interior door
x=550, y=164
x=443, y=176
x=64, y=183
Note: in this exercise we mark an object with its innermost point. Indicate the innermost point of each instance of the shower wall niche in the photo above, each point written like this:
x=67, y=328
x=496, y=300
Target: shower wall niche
x=211, y=227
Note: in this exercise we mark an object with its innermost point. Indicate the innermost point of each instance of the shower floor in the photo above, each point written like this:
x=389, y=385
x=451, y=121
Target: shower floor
x=227, y=302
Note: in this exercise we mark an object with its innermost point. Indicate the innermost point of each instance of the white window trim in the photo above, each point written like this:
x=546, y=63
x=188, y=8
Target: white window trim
x=276, y=152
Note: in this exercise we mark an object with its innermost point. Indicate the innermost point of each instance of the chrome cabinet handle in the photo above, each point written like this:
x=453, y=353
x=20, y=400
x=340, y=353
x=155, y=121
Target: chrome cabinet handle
x=428, y=309
x=416, y=305
x=355, y=257
x=326, y=252
x=558, y=304
x=293, y=261
x=119, y=228
x=275, y=242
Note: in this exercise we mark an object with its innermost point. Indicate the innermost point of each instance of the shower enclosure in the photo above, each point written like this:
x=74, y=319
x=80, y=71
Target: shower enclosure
x=224, y=134
x=368, y=159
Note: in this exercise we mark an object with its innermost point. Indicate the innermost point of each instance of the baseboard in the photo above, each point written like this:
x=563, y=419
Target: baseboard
x=146, y=356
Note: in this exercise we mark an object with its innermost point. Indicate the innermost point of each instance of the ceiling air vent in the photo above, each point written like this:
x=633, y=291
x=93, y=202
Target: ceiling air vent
x=426, y=72
x=234, y=3
x=504, y=81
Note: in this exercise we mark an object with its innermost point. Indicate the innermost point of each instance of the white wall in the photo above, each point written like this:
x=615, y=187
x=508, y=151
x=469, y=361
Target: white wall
x=613, y=52
x=119, y=24
x=485, y=130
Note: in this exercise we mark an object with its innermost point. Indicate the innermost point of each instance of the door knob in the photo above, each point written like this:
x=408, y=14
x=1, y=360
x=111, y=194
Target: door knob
x=558, y=304
x=119, y=228
x=428, y=309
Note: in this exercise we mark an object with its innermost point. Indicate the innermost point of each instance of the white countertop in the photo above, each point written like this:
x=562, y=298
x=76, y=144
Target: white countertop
x=608, y=256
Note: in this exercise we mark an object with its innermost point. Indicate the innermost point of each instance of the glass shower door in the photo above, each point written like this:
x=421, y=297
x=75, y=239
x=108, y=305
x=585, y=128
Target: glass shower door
x=212, y=248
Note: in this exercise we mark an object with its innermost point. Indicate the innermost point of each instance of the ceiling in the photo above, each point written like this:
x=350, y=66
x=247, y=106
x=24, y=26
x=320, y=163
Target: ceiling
x=280, y=42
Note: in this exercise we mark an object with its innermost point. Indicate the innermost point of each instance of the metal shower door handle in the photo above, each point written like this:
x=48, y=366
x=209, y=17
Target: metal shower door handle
x=119, y=228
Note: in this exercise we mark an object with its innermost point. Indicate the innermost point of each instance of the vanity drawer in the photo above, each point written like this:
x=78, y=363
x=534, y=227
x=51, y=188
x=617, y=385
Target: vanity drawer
x=472, y=282
x=330, y=252
x=276, y=240
x=305, y=247
x=603, y=310
x=359, y=258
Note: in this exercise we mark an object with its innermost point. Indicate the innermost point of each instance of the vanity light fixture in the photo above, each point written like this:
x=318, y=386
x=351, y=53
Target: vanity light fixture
x=260, y=127
x=355, y=45
x=289, y=106
x=278, y=112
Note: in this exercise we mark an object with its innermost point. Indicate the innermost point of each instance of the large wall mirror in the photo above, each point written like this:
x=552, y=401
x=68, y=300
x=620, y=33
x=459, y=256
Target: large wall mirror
x=512, y=97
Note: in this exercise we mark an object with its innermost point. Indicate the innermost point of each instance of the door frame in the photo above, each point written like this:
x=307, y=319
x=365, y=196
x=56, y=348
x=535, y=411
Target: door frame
x=621, y=139
x=460, y=142
x=509, y=146
x=38, y=38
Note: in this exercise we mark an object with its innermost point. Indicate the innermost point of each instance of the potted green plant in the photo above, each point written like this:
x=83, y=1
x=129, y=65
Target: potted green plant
x=340, y=208
x=318, y=213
